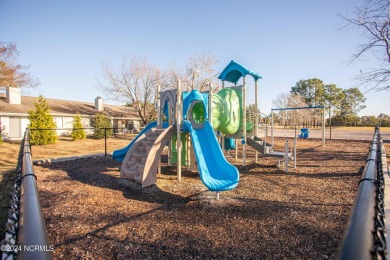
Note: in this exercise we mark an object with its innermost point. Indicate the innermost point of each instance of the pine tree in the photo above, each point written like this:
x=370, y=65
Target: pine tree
x=41, y=118
x=100, y=122
x=78, y=132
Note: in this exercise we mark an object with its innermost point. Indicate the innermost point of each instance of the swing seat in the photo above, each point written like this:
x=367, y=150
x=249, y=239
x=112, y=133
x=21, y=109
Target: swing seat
x=304, y=133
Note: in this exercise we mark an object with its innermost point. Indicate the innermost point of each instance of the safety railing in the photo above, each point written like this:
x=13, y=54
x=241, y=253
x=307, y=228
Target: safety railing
x=26, y=235
x=251, y=116
x=364, y=237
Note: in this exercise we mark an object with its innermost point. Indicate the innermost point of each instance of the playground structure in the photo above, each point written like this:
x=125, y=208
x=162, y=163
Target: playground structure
x=187, y=122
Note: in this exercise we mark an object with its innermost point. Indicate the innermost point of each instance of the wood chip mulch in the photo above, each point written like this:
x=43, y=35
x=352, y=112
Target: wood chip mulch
x=92, y=213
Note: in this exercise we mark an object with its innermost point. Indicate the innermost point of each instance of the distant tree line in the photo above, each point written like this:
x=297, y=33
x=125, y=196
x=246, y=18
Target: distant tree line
x=341, y=105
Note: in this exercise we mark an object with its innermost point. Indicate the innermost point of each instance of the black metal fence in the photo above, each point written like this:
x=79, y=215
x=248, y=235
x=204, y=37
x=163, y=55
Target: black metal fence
x=98, y=141
x=364, y=237
x=26, y=235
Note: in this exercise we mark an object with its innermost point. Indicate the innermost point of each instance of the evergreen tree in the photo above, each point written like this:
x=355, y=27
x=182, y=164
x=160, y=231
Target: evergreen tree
x=41, y=118
x=78, y=132
x=351, y=105
x=312, y=90
x=100, y=122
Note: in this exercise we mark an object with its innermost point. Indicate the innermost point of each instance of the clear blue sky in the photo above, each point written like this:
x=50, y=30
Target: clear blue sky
x=65, y=42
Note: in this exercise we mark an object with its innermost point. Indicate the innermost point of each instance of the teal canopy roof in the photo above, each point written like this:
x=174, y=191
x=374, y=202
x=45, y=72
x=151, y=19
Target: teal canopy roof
x=234, y=71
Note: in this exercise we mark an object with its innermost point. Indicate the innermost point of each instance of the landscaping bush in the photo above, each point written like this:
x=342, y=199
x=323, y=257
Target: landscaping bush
x=78, y=132
x=42, y=119
x=99, y=122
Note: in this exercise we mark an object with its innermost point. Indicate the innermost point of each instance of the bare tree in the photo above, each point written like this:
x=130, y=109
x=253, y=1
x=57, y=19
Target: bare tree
x=135, y=83
x=198, y=73
x=291, y=117
x=373, y=18
x=13, y=74
x=281, y=101
x=297, y=116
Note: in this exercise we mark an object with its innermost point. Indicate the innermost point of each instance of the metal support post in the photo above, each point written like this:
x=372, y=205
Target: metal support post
x=105, y=141
x=188, y=157
x=244, y=120
x=158, y=106
x=323, y=127
x=210, y=104
x=272, y=128
x=178, y=130
x=236, y=150
x=158, y=122
x=266, y=133
x=286, y=156
x=256, y=116
x=170, y=142
x=295, y=153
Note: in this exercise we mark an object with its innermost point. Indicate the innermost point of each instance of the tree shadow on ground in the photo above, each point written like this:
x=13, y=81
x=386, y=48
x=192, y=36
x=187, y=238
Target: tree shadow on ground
x=273, y=223
x=79, y=170
x=219, y=216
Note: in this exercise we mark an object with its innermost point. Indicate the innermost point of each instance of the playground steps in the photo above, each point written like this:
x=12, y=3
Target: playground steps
x=259, y=145
x=141, y=161
x=264, y=148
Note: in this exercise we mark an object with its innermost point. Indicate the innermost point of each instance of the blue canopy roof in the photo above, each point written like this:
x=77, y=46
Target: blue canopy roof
x=234, y=71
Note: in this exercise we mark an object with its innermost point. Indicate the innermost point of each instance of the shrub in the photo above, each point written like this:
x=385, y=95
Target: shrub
x=99, y=122
x=41, y=118
x=78, y=132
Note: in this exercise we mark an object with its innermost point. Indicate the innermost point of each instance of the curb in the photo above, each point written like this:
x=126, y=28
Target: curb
x=72, y=158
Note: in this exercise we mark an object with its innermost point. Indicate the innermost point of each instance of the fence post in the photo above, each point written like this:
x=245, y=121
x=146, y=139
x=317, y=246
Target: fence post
x=105, y=141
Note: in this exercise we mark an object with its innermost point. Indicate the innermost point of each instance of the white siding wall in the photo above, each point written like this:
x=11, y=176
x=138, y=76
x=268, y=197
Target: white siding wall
x=61, y=122
x=24, y=124
x=86, y=121
x=67, y=122
x=5, y=126
x=58, y=121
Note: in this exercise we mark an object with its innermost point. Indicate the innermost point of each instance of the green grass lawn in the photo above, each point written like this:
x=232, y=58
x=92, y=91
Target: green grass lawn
x=8, y=156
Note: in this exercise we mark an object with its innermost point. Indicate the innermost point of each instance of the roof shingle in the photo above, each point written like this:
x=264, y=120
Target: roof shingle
x=66, y=107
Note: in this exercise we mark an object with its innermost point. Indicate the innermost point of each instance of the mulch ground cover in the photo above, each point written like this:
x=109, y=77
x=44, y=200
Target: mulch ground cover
x=91, y=212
